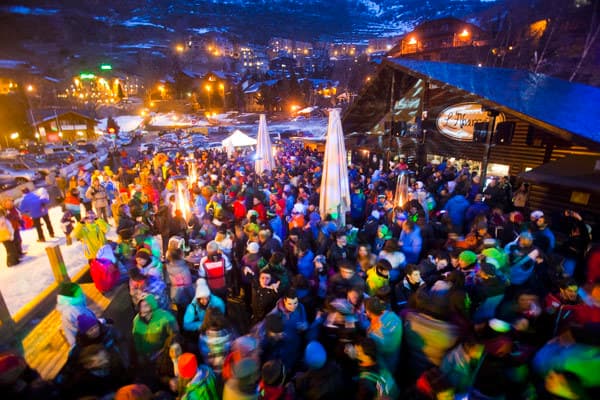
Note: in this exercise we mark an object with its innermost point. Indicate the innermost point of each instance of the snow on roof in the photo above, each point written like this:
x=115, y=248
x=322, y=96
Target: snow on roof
x=174, y=120
x=127, y=123
x=13, y=64
x=256, y=86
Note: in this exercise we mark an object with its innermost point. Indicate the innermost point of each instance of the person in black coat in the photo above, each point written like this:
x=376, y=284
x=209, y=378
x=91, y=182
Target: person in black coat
x=264, y=294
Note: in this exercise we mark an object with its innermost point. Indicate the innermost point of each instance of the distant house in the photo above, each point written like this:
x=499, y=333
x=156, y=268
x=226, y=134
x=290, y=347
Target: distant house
x=55, y=125
x=251, y=93
x=436, y=40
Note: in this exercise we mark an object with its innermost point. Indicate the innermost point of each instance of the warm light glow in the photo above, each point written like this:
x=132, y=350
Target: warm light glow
x=179, y=48
x=80, y=133
x=174, y=118
x=412, y=40
x=465, y=33
x=161, y=88
x=143, y=113
x=30, y=88
x=152, y=104
x=182, y=198
x=208, y=88
x=221, y=86
x=294, y=107
x=14, y=135
x=60, y=134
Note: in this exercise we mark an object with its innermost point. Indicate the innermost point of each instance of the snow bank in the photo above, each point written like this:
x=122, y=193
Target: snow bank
x=127, y=123
x=23, y=282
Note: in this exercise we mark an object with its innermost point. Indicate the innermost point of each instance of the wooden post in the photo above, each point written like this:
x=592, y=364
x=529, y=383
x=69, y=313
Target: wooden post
x=8, y=324
x=57, y=263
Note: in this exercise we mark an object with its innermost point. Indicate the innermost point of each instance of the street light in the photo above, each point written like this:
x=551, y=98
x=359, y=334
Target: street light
x=209, y=91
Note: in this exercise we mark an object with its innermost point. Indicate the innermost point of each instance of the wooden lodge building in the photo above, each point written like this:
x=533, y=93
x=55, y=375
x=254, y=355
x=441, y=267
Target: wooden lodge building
x=503, y=122
x=57, y=125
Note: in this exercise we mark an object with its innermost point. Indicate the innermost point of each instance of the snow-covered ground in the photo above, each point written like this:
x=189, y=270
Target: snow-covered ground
x=23, y=282
x=127, y=123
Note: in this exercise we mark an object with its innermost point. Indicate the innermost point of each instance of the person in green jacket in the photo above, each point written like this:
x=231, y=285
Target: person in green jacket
x=386, y=331
x=152, y=327
x=196, y=382
x=378, y=276
x=92, y=234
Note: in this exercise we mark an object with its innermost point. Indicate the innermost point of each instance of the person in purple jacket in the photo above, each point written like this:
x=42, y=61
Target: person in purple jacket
x=36, y=208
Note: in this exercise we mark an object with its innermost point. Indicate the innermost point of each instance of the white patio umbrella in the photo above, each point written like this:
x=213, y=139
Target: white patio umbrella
x=335, y=190
x=264, y=153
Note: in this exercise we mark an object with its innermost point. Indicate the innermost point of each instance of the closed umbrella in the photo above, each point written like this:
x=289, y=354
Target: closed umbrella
x=264, y=153
x=335, y=190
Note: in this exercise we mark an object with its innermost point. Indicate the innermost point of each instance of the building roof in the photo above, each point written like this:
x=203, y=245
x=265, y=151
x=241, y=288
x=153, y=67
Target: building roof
x=255, y=87
x=575, y=171
x=40, y=115
x=554, y=104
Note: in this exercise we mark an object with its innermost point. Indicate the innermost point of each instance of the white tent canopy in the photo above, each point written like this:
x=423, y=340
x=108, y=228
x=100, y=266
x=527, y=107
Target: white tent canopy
x=264, y=152
x=335, y=188
x=238, y=139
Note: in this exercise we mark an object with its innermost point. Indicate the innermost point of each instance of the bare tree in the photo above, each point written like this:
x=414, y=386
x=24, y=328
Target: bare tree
x=590, y=38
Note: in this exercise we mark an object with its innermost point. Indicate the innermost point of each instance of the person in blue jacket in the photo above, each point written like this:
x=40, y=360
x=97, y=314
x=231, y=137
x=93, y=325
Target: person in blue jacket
x=36, y=208
x=457, y=207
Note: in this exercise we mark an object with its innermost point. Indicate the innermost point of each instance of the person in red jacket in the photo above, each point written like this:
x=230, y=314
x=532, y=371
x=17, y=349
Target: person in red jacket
x=239, y=208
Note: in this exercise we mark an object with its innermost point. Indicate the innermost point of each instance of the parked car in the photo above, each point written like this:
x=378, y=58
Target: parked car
x=25, y=165
x=7, y=183
x=20, y=177
x=88, y=147
x=145, y=147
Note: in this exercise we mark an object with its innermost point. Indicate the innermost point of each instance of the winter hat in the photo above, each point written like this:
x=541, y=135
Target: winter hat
x=69, y=289
x=495, y=256
x=468, y=257
x=245, y=345
x=441, y=286
x=314, y=355
x=273, y=373
x=136, y=391
x=85, y=321
x=537, y=214
x=274, y=323
x=375, y=214
x=188, y=365
x=11, y=367
x=202, y=289
x=253, y=248
x=298, y=209
x=144, y=254
x=212, y=246
x=246, y=369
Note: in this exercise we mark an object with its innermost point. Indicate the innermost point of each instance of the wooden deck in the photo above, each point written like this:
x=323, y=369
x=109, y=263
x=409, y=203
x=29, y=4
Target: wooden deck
x=44, y=346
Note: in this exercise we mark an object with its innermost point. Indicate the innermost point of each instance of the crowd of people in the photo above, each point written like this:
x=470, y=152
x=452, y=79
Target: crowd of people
x=460, y=292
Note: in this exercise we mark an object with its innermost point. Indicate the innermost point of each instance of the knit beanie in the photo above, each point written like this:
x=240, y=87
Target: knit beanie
x=468, y=257
x=315, y=355
x=188, y=365
x=273, y=373
x=246, y=369
x=85, y=321
x=202, y=289
x=143, y=254
x=134, y=392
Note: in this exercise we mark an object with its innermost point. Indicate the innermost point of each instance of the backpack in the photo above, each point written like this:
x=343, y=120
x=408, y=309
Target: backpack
x=384, y=382
x=105, y=274
x=6, y=230
x=215, y=273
